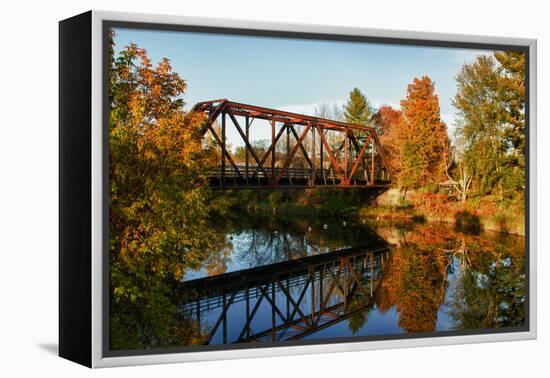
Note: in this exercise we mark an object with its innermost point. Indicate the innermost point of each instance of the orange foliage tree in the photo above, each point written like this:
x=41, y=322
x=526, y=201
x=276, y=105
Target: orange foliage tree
x=387, y=121
x=159, y=203
x=415, y=280
x=486, y=274
x=423, y=140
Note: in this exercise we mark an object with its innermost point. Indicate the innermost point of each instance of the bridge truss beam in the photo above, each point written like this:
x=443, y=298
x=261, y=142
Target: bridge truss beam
x=332, y=153
x=300, y=303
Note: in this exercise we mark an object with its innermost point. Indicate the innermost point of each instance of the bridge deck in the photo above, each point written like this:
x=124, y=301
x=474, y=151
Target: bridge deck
x=241, y=176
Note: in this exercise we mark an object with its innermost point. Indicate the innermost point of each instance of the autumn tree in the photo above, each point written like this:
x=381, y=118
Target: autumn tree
x=423, y=141
x=480, y=117
x=387, y=121
x=414, y=283
x=159, y=203
x=490, y=123
x=358, y=109
x=422, y=289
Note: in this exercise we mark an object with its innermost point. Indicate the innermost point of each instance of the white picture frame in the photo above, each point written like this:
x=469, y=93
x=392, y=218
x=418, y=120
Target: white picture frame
x=98, y=358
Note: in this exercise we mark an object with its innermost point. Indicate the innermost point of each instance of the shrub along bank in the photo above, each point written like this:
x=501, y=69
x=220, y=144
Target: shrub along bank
x=475, y=214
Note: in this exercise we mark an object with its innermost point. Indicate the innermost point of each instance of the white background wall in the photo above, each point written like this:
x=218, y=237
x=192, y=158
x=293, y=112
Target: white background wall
x=28, y=187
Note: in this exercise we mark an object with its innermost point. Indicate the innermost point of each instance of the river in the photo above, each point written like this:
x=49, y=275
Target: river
x=281, y=278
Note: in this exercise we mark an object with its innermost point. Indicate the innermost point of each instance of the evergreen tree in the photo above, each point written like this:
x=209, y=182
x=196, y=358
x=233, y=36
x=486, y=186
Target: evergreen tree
x=358, y=109
x=423, y=141
x=512, y=91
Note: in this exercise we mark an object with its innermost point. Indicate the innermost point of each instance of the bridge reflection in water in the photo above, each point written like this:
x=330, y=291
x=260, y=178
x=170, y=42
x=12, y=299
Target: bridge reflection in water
x=286, y=301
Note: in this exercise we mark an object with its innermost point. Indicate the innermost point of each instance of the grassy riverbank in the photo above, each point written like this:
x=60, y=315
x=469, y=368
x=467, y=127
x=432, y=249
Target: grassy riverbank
x=474, y=215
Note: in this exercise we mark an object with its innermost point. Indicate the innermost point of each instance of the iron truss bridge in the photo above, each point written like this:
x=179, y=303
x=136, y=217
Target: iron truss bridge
x=303, y=151
x=286, y=301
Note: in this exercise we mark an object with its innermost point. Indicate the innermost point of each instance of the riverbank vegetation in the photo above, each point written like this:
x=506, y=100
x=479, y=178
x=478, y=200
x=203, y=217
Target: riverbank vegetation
x=474, y=215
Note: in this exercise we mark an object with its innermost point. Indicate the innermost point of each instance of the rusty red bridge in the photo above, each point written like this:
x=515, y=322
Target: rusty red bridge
x=304, y=151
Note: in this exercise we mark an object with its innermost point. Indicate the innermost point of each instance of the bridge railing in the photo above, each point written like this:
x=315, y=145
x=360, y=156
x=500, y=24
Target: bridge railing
x=324, y=176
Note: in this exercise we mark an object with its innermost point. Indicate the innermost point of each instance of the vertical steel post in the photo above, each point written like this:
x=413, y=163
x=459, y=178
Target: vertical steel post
x=199, y=312
x=346, y=157
x=321, y=299
x=246, y=152
x=321, y=164
x=313, y=157
x=372, y=161
x=223, y=149
x=312, y=275
x=273, y=311
x=224, y=314
x=288, y=150
x=287, y=301
x=273, y=149
x=247, y=312
x=345, y=262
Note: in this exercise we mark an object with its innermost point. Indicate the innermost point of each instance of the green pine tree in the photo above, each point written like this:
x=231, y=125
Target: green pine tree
x=358, y=109
x=511, y=87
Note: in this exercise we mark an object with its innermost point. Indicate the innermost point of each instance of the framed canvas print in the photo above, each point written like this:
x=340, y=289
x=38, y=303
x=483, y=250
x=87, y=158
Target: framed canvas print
x=232, y=189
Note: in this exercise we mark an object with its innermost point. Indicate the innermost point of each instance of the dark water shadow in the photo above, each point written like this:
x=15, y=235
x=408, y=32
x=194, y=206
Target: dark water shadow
x=51, y=348
x=467, y=223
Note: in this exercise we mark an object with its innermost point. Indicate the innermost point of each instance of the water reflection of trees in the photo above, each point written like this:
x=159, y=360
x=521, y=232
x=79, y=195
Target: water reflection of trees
x=490, y=293
x=480, y=278
x=265, y=240
x=358, y=319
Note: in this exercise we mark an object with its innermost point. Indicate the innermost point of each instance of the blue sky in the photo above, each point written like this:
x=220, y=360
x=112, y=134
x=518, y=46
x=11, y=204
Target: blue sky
x=298, y=75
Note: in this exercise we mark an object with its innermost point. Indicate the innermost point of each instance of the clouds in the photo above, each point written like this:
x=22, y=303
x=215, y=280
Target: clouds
x=310, y=109
x=468, y=56
x=453, y=55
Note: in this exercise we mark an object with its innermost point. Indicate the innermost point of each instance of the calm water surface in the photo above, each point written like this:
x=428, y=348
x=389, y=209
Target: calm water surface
x=291, y=278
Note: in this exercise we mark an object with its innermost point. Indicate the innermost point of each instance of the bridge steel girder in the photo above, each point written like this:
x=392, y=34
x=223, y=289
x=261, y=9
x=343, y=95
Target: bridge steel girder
x=279, y=172
x=347, y=277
